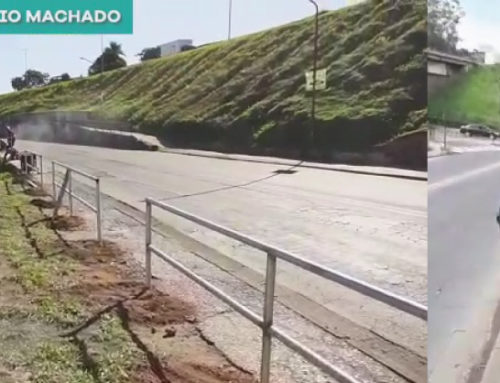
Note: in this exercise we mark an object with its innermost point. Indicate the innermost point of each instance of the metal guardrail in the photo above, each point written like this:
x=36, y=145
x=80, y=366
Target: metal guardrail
x=69, y=189
x=266, y=321
x=36, y=169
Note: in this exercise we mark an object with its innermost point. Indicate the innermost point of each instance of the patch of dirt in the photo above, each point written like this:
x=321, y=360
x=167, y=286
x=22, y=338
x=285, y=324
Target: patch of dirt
x=66, y=223
x=178, y=372
x=36, y=192
x=107, y=279
x=42, y=203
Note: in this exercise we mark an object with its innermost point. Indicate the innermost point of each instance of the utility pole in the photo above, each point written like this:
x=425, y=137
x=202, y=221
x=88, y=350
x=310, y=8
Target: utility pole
x=315, y=73
x=230, y=19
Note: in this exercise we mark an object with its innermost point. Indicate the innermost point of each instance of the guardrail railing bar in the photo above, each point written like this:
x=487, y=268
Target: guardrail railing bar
x=305, y=352
x=99, y=210
x=267, y=337
x=254, y=318
x=369, y=290
x=79, y=199
x=70, y=192
x=41, y=170
x=361, y=287
x=54, y=195
x=313, y=357
x=94, y=178
x=148, y=237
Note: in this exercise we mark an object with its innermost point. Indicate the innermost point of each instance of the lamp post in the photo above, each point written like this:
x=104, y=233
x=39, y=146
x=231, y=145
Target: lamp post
x=230, y=19
x=85, y=59
x=315, y=70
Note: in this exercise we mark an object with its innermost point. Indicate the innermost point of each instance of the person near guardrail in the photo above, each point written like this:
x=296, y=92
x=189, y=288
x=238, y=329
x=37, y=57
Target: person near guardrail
x=10, y=151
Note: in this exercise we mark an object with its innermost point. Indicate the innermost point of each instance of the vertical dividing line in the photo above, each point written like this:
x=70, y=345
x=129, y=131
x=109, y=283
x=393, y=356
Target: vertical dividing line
x=98, y=208
x=70, y=194
x=149, y=209
x=54, y=181
x=265, y=367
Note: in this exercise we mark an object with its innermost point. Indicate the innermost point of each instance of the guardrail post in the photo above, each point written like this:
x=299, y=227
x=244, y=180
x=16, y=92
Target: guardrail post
x=445, y=137
x=70, y=192
x=98, y=208
x=41, y=171
x=54, y=181
x=265, y=367
x=149, y=209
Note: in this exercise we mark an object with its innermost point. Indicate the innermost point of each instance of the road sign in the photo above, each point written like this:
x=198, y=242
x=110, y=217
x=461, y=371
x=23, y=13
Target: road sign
x=320, y=80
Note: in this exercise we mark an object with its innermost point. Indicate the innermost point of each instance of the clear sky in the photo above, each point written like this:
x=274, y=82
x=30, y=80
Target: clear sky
x=155, y=22
x=480, y=28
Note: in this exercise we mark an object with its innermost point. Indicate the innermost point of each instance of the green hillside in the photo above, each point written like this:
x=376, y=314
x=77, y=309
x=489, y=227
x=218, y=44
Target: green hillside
x=474, y=97
x=250, y=92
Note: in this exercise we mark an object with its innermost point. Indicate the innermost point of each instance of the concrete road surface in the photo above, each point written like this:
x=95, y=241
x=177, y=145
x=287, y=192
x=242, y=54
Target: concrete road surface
x=374, y=228
x=460, y=143
x=464, y=265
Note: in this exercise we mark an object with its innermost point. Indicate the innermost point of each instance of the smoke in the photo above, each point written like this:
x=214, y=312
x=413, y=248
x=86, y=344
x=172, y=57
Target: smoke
x=43, y=129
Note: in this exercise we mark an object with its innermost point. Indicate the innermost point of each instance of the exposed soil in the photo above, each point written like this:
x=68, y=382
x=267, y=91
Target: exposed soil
x=42, y=204
x=107, y=280
x=36, y=192
x=66, y=223
x=104, y=279
x=195, y=373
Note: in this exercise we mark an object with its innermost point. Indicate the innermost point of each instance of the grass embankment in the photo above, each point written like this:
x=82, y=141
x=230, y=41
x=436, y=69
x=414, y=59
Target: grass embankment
x=71, y=311
x=249, y=93
x=472, y=98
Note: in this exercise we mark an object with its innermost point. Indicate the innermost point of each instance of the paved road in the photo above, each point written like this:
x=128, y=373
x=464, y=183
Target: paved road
x=459, y=143
x=371, y=227
x=464, y=263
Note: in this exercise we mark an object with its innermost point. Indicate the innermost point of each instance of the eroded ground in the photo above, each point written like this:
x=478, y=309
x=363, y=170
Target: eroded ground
x=74, y=311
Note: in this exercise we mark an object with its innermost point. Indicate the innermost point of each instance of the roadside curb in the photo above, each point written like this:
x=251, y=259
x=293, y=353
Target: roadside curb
x=363, y=170
x=374, y=171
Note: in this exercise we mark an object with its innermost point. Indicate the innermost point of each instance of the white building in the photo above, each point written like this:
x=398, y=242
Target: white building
x=174, y=47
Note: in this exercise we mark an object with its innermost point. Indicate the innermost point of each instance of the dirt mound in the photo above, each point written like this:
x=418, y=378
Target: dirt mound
x=36, y=192
x=107, y=279
x=67, y=223
x=42, y=203
x=155, y=307
x=193, y=373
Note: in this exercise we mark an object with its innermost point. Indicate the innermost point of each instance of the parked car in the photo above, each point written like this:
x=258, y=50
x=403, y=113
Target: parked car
x=479, y=130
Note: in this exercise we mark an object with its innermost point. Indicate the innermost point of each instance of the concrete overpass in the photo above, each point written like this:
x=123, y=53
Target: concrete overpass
x=442, y=67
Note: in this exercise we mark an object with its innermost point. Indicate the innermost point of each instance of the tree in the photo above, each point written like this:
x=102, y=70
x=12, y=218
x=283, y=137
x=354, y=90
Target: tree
x=18, y=83
x=34, y=78
x=110, y=59
x=443, y=19
x=187, y=48
x=61, y=78
x=150, y=53
x=31, y=79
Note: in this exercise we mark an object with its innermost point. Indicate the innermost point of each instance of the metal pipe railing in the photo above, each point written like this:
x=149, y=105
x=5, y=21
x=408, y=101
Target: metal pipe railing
x=400, y=303
x=266, y=323
x=71, y=194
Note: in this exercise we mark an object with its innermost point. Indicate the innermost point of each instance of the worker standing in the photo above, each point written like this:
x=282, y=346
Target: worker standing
x=11, y=141
x=11, y=138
